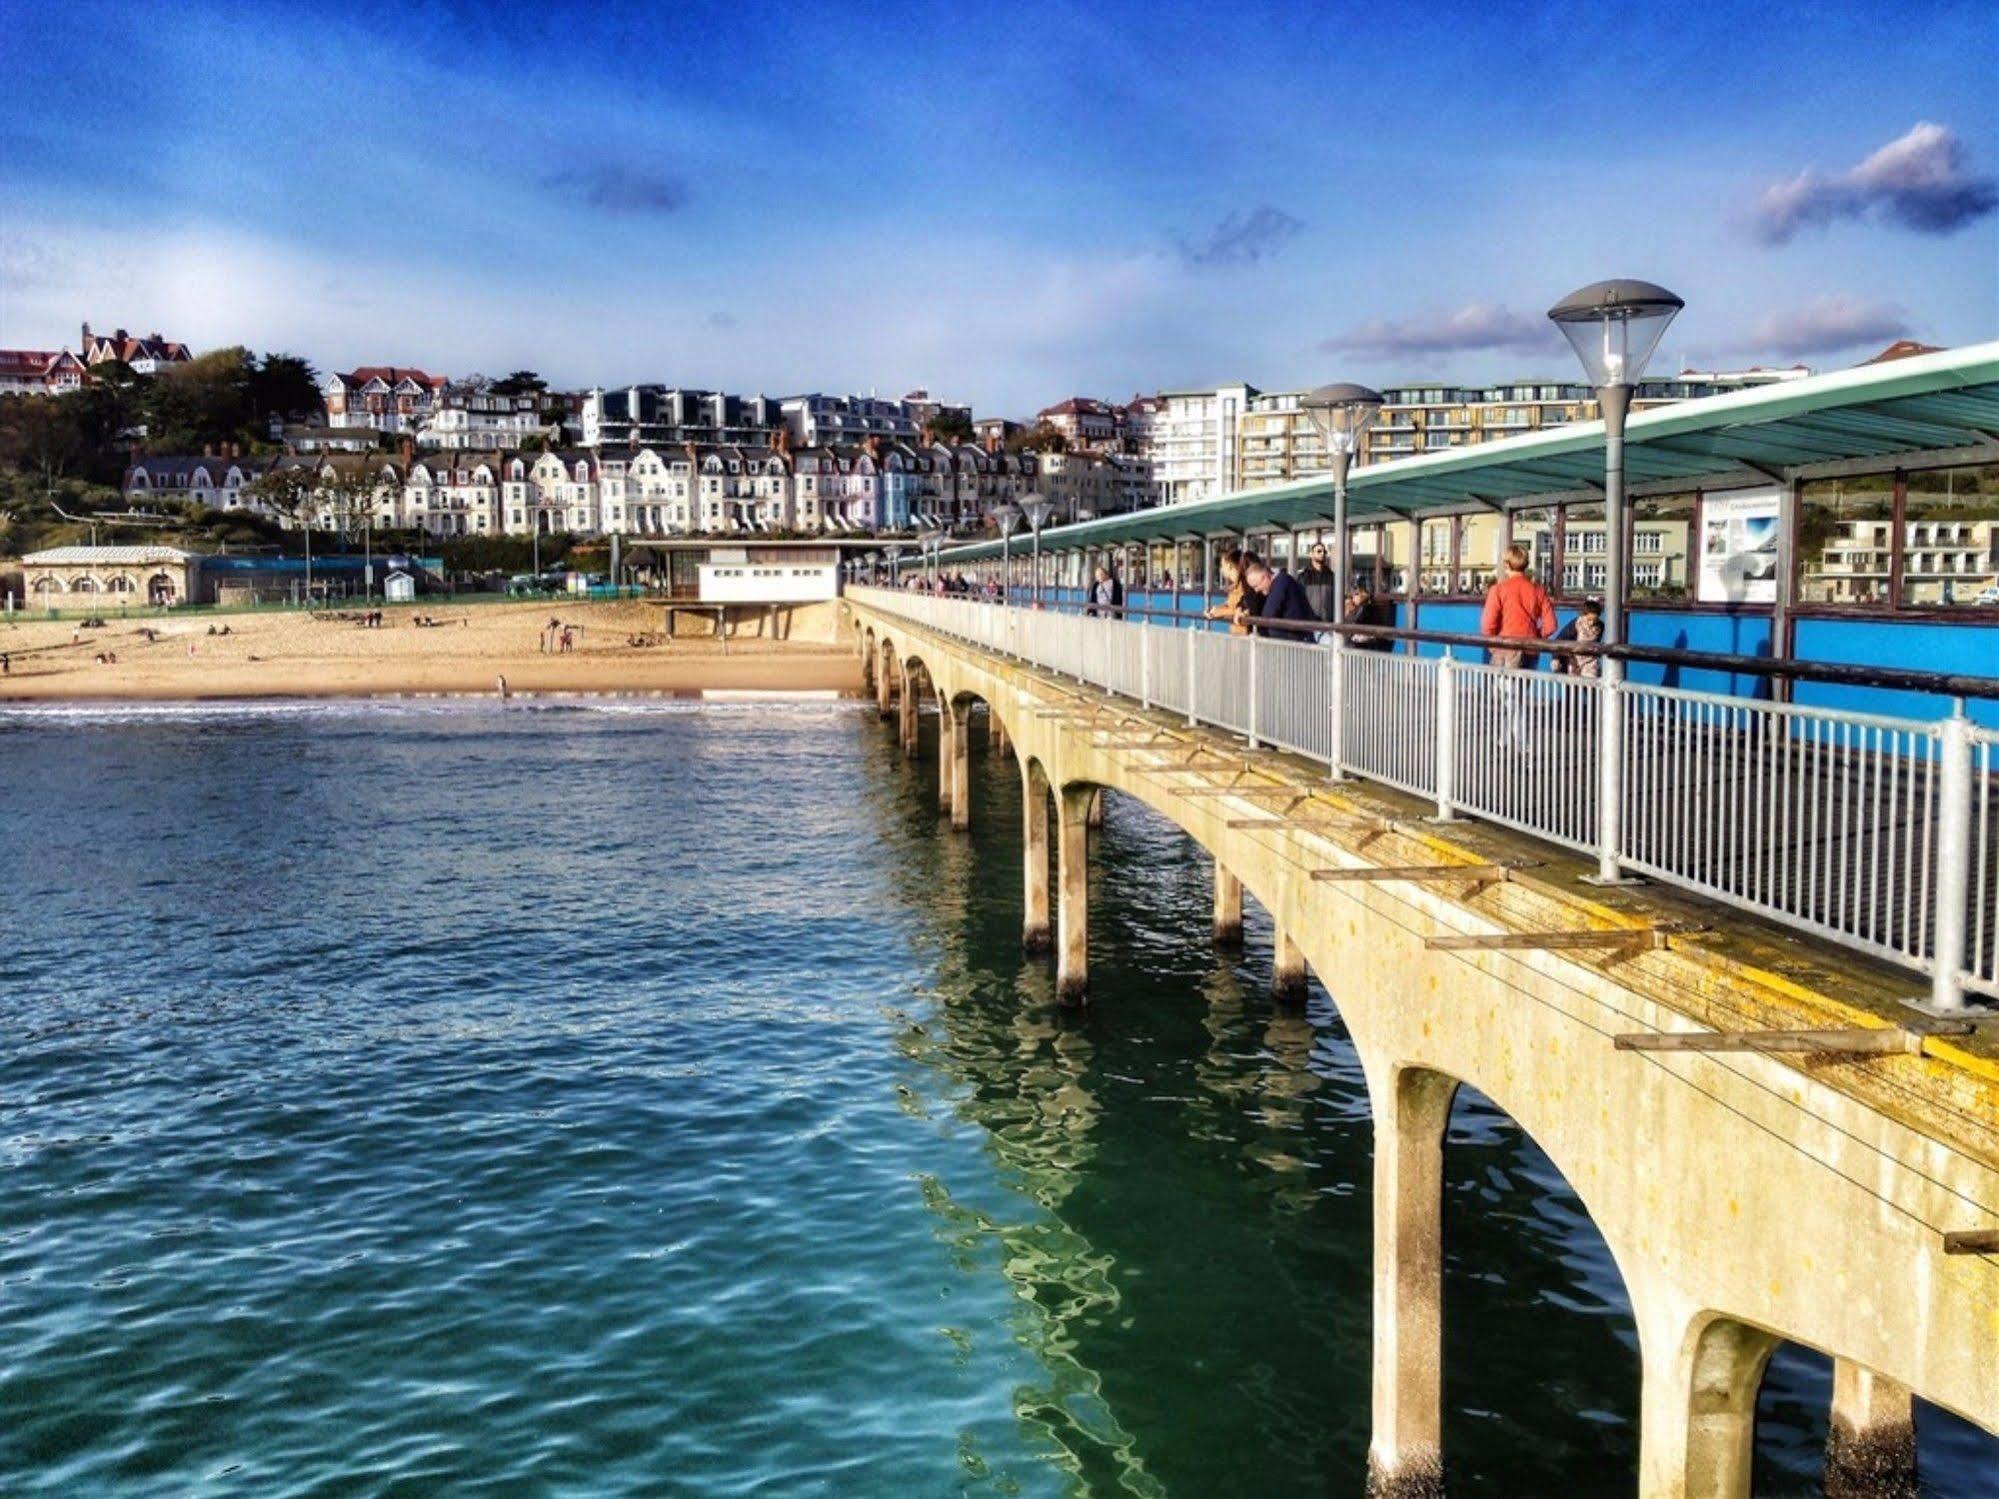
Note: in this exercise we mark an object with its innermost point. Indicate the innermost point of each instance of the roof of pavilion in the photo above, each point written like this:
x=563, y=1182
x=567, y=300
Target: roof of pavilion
x=1926, y=411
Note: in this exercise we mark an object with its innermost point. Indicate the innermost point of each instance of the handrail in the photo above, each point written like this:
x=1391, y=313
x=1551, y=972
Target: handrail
x=1790, y=668
x=1875, y=831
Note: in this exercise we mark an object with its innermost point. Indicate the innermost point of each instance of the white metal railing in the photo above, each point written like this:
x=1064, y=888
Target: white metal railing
x=1879, y=833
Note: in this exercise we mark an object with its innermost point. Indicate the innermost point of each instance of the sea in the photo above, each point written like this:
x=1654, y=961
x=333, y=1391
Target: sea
x=594, y=1097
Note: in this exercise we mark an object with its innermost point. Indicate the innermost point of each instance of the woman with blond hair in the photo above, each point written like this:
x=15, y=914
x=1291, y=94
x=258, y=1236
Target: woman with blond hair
x=1242, y=600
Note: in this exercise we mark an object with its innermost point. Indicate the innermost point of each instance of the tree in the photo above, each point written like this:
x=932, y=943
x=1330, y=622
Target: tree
x=1042, y=437
x=951, y=426
x=202, y=402
x=520, y=383
x=284, y=386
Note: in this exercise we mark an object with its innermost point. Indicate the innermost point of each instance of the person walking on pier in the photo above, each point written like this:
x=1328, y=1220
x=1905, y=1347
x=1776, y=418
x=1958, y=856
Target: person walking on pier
x=1321, y=587
x=1106, y=594
x=1517, y=608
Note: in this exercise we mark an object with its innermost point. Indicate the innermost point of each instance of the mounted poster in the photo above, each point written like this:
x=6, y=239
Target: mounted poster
x=1738, y=556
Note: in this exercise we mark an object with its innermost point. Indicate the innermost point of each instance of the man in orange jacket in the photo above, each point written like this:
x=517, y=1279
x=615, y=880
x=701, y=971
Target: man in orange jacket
x=1517, y=608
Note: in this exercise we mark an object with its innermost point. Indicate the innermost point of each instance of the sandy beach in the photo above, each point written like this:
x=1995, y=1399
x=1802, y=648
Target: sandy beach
x=285, y=654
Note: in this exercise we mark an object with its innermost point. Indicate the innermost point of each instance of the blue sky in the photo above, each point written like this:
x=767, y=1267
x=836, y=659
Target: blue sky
x=1006, y=204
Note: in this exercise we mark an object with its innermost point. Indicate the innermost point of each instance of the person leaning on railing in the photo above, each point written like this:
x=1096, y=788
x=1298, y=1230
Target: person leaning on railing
x=1282, y=599
x=1240, y=597
x=1517, y=608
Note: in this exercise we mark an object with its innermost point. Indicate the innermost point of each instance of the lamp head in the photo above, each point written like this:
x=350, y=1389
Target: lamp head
x=1006, y=518
x=1614, y=327
x=1342, y=414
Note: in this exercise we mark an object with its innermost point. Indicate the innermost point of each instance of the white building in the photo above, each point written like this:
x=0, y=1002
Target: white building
x=640, y=416
x=1194, y=441
x=452, y=494
x=476, y=417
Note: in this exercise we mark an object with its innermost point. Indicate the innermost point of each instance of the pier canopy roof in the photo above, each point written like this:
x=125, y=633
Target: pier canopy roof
x=1926, y=411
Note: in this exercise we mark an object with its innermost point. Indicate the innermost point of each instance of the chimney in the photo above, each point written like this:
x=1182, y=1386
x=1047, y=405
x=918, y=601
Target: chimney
x=409, y=452
x=208, y=450
x=992, y=442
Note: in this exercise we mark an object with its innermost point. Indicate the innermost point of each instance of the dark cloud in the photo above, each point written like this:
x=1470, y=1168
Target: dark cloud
x=1474, y=327
x=618, y=189
x=1828, y=325
x=1918, y=181
x=1243, y=238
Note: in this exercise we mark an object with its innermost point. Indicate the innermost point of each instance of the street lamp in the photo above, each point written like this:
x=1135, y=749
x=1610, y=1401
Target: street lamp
x=894, y=557
x=1614, y=326
x=1006, y=517
x=1341, y=414
x=1036, y=509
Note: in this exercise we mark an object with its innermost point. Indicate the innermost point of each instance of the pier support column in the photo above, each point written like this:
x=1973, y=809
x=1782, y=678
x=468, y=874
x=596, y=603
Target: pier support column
x=1072, y=917
x=1096, y=814
x=1287, y=971
x=867, y=667
x=1228, y=908
x=907, y=703
x=1405, y=1458
x=884, y=688
x=1697, y=1418
x=947, y=737
x=1870, y=1453
x=1034, y=858
x=959, y=736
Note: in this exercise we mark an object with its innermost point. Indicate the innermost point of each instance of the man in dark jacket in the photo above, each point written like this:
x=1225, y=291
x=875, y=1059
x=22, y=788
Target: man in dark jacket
x=1320, y=586
x=1282, y=599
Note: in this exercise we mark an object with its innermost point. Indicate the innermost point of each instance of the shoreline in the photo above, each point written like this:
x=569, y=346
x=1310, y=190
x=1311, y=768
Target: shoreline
x=612, y=651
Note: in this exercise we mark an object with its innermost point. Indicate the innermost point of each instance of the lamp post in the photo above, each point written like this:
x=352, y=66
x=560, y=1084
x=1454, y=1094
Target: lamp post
x=1036, y=508
x=894, y=559
x=1341, y=414
x=1614, y=326
x=1006, y=517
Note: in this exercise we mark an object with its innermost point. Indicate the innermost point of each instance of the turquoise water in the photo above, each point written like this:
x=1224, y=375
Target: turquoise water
x=652, y=1098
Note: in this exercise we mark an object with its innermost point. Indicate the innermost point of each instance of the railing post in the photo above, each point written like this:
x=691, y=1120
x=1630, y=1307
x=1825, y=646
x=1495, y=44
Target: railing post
x=1953, y=883
x=1145, y=664
x=1610, y=772
x=1336, y=670
x=1447, y=735
x=1253, y=657
x=1192, y=716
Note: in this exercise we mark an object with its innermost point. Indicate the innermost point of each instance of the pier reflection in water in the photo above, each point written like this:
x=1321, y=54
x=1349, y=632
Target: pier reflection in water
x=1201, y=1297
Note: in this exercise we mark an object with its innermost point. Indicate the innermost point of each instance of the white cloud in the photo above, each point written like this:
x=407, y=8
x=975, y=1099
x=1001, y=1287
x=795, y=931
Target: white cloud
x=1917, y=180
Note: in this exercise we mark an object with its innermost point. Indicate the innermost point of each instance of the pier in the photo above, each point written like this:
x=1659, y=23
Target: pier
x=1775, y=1145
